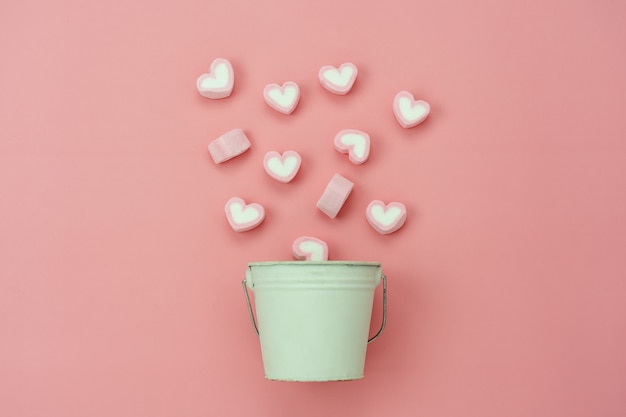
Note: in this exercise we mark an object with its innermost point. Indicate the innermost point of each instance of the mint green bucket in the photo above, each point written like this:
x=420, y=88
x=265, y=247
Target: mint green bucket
x=314, y=317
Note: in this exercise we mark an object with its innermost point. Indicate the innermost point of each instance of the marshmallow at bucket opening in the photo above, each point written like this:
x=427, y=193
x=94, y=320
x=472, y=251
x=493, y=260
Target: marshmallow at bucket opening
x=283, y=167
x=218, y=82
x=355, y=143
x=283, y=98
x=335, y=195
x=385, y=219
x=310, y=248
x=338, y=80
x=229, y=145
x=243, y=217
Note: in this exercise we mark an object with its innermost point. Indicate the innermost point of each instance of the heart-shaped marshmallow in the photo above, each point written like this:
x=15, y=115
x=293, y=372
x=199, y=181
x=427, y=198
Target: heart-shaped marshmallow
x=218, y=82
x=283, y=167
x=355, y=143
x=283, y=98
x=408, y=111
x=242, y=216
x=385, y=219
x=310, y=248
x=338, y=80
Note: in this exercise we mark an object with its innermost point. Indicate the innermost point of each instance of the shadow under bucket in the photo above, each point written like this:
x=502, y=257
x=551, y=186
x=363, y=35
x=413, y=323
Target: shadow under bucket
x=314, y=317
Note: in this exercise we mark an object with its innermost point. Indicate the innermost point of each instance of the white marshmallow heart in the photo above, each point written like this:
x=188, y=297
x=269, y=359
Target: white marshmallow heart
x=310, y=248
x=338, y=80
x=218, y=82
x=355, y=143
x=408, y=111
x=283, y=167
x=242, y=216
x=283, y=98
x=385, y=219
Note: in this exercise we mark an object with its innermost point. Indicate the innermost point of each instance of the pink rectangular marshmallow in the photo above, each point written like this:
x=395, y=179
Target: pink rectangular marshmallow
x=228, y=146
x=335, y=195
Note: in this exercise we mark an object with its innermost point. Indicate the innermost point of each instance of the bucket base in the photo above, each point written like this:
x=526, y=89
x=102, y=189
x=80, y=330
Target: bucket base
x=338, y=379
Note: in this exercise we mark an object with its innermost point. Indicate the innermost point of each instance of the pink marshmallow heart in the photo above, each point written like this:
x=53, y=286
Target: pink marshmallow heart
x=218, y=82
x=283, y=98
x=338, y=80
x=408, y=111
x=355, y=143
x=283, y=167
x=385, y=219
x=310, y=249
x=242, y=216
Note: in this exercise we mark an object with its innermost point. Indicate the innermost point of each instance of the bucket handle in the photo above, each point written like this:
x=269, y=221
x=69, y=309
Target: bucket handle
x=382, y=325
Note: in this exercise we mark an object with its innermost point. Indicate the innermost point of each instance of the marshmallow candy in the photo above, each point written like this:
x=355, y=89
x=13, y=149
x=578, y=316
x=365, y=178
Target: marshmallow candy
x=408, y=111
x=229, y=145
x=338, y=80
x=335, y=195
x=218, y=82
x=310, y=249
x=242, y=216
x=283, y=98
x=385, y=219
x=355, y=143
x=283, y=167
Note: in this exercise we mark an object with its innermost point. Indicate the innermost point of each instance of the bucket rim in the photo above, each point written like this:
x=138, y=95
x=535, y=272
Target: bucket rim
x=304, y=262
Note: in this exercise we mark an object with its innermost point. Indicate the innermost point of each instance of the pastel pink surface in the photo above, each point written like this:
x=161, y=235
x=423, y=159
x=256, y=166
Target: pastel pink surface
x=120, y=279
x=335, y=195
x=408, y=111
x=355, y=143
x=218, y=82
x=282, y=98
x=229, y=145
x=338, y=80
x=241, y=216
x=310, y=248
x=282, y=167
x=385, y=218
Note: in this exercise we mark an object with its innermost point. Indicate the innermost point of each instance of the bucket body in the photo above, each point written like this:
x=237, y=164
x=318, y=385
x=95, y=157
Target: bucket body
x=313, y=317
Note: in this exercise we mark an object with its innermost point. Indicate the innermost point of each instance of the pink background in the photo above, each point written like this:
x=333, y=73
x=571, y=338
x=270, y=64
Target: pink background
x=120, y=277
